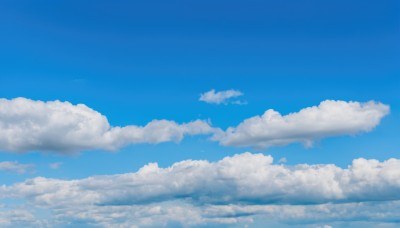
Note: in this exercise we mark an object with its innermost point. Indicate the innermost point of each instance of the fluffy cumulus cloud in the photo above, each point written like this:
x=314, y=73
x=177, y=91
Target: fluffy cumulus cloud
x=235, y=189
x=221, y=97
x=14, y=166
x=28, y=125
x=329, y=118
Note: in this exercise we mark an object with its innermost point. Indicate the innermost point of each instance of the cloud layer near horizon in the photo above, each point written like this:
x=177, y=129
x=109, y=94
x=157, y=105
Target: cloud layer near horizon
x=28, y=125
x=234, y=188
x=247, y=178
x=329, y=118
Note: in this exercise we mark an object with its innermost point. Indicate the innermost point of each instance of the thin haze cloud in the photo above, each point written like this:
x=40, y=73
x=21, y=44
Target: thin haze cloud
x=222, y=97
x=14, y=166
x=55, y=165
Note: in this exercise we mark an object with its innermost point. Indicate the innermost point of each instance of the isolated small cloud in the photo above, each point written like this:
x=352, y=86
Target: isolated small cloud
x=329, y=118
x=222, y=97
x=55, y=165
x=326, y=226
x=28, y=125
x=282, y=160
x=13, y=166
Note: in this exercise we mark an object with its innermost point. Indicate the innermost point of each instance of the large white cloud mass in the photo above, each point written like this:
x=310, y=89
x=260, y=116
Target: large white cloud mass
x=231, y=190
x=28, y=125
x=329, y=118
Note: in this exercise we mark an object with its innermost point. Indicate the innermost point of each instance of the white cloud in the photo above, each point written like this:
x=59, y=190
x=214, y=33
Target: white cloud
x=183, y=214
x=55, y=165
x=27, y=125
x=339, y=215
x=330, y=118
x=222, y=97
x=13, y=166
x=11, y=217
x=282, y=160
x=249, y=178
x=231, y=190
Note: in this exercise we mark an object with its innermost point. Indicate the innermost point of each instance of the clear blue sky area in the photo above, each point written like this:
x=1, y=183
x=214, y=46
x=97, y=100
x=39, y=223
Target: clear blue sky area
x=135, y=61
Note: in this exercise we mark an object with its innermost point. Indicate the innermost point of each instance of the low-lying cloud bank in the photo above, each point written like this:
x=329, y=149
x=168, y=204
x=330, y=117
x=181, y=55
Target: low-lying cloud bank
x=182, y=214
x=230, y=190
x=245, y=178
x=28, y=125
x=329, y=118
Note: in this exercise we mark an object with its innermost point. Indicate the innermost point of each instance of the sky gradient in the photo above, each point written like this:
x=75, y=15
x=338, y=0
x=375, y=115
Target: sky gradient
x=199, y=113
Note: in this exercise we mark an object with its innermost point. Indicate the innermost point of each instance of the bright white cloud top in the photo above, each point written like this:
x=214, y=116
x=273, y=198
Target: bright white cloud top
x=28, y=125
x=244, y=178
x=329, y=118
x=235, y=187
x=221, y=97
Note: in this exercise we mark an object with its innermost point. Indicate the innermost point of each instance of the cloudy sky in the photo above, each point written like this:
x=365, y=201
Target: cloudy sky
x=199, y=113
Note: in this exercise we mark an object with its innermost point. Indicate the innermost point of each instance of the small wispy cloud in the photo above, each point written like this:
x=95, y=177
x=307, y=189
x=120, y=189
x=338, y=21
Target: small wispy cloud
x=16, y=167
x=222, y=97
x=282, y=160
x=55, y=165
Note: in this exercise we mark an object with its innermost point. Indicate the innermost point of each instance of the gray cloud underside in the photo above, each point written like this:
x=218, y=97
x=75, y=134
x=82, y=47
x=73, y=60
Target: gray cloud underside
x=182, y=214
x=234, y=189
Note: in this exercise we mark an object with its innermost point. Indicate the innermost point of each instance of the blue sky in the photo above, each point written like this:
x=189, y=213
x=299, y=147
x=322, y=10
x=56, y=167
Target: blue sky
x=139, y=61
